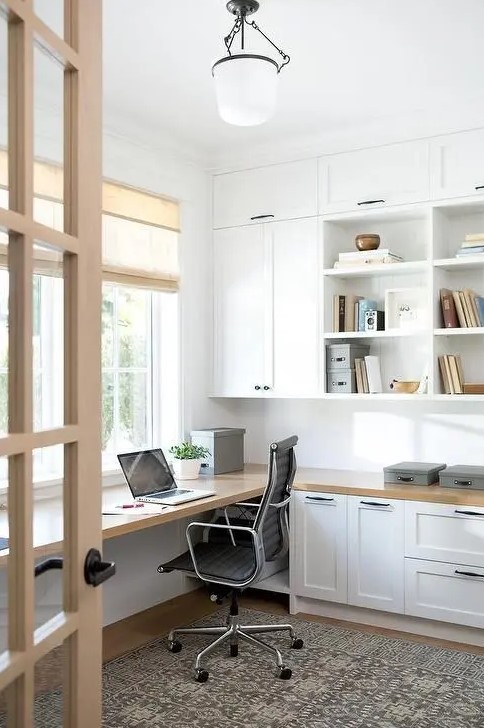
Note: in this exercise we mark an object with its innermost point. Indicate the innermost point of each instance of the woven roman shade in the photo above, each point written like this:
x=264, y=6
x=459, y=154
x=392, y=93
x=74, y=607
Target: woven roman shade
x=140, y=229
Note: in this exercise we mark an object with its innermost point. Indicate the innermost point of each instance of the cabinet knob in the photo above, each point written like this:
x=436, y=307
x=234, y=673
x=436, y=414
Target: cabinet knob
x=266, y=387
x=257, y=386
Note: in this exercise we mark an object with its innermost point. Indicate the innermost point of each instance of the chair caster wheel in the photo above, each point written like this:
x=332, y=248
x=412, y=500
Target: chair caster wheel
x=285, y=673
x=201, y=675
x=297, y=643
x=174, y=646
x=234, y=650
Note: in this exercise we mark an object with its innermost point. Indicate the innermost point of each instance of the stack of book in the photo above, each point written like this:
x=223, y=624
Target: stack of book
x=367, y=257
x=349, y=312
x=463, y=309
x=451, y=374
x=368, y=375
x=472, y=245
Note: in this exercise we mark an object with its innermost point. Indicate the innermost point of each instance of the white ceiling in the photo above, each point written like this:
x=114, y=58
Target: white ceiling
x=353, y=61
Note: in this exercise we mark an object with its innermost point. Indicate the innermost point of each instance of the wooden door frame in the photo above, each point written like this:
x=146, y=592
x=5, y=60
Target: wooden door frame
x=79, y=624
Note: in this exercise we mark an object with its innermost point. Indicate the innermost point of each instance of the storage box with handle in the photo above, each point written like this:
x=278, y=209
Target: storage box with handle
x=342, y=356
x=413, y=473
x=470, y=477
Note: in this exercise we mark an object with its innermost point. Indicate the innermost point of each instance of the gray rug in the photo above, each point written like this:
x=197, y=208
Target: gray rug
x=341, y=679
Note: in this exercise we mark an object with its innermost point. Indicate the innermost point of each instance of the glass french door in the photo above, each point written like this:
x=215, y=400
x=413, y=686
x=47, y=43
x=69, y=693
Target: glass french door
x=50, y=305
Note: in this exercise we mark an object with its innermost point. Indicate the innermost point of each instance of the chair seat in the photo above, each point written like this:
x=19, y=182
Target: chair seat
x=235, y=563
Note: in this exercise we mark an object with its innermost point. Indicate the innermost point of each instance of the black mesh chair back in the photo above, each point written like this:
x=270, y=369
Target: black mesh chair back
x=272, y=519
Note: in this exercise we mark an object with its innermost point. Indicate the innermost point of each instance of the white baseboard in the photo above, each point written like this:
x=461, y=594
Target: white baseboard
x=385, y=620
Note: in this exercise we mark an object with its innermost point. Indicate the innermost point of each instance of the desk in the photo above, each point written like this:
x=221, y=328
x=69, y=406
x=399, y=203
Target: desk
x=48, y=519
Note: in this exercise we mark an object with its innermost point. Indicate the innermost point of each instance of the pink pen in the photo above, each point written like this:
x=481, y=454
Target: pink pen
x=132, y=505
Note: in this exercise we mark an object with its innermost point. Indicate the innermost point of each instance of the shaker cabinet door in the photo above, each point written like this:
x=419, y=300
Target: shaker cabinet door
x=457, y=165
x=376, y=553
x=277, y=192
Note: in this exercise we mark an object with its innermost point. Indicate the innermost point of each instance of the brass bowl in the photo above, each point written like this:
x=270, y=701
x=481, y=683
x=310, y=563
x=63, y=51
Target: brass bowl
x=404, y=387
x=367, y=241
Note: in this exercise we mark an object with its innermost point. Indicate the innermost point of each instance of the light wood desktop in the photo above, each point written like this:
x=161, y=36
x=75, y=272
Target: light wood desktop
x=229, y=489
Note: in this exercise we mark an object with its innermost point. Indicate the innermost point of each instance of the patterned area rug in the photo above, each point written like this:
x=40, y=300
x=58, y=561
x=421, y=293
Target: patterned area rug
x=341, y=679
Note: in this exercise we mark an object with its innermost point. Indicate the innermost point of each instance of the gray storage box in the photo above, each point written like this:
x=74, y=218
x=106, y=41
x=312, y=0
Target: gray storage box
x=343, y=355
x=341, y=380
x=463, y=476
x=413, y=473
x=226, y=445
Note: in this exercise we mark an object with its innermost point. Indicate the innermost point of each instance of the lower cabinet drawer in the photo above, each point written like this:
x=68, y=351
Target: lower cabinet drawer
x=445, y=592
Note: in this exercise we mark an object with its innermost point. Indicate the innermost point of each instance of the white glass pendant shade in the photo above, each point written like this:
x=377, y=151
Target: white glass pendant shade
x=246, y=88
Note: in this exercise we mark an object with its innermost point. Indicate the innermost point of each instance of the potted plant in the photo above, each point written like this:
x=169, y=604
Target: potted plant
x=187, y=459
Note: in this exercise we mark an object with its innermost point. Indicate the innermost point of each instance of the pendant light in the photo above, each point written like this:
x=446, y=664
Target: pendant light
x=246, y=83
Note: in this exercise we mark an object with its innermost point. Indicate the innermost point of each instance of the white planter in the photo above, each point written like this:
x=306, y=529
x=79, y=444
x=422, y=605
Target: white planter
x=186, y=469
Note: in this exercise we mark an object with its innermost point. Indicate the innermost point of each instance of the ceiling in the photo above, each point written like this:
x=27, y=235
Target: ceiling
x=353, y=61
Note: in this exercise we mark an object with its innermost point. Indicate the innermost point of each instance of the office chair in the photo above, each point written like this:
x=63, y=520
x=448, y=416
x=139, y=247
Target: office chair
x=229, y=567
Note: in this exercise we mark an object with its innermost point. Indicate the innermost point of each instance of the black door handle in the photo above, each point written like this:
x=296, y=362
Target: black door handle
x=373, y=503
x=47, y=565
x=480, y=187
x=468, y=513
x=261, y=217
x=96, y=571
x=469, y=573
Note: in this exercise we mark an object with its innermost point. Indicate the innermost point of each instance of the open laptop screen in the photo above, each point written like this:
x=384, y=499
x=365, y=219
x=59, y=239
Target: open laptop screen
x=146, y=472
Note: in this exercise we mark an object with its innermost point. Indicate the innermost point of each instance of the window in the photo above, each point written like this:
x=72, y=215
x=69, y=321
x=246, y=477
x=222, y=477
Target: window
x=139, y=324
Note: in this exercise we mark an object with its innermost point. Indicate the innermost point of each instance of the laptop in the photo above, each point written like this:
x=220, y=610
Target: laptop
x=150, y=479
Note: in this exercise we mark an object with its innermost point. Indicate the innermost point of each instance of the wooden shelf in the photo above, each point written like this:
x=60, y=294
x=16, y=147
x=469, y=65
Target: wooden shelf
x=458, y=397
x=380, y=396
x=383, y=269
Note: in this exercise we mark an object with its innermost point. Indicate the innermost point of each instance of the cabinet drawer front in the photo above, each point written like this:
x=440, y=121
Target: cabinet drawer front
x=278, y=192
x=441, y=532
x=446, y=592
x=375, y=553
x=318, y=555
x=368, y=178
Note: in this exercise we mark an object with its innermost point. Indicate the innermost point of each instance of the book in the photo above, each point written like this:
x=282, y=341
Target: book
x=469, y=299
x=339, y=306
x=467, y=315
x=454, y=374
x=459, y=308
x=364, y=376
x=475, y=312
x=372, y=364
x=473, y=388
x=472, y=243
x=460, y=369
x=470, y=251
x=365, y=304
x=448, y=375
x=357, y=254
x=350, y=312
x=480, y=309
x=359, y=376
x=443, y=375
x=367, y=261
x=449, y=313
x=474, y=236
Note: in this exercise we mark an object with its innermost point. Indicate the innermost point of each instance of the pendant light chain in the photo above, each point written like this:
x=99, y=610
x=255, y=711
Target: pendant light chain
x=239, y=27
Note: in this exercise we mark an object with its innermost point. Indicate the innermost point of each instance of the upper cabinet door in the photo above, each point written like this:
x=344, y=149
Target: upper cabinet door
x=296, y=285
x=457, y=165
x=242, y=296
x=389, y=175
x=278, y=192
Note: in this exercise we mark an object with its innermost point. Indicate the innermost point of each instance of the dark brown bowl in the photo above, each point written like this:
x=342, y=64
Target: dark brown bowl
x=367, y=241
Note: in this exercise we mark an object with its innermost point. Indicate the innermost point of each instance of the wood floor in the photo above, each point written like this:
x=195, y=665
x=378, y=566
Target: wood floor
x=146, y=626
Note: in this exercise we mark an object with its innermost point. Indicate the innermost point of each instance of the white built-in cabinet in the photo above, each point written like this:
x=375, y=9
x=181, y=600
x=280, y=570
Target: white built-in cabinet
x=318, y=565
x=375, y=553
x=266, y=313
x=406, y=557
x=276, y=282
x=382, y=176
x=457, y=165
x=277, y=192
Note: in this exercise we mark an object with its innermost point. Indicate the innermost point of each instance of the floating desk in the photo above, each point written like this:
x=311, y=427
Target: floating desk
x=229, y=489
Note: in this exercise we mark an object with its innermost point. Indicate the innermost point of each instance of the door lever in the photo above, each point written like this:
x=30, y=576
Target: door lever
x=47, y=565
x=96, y=571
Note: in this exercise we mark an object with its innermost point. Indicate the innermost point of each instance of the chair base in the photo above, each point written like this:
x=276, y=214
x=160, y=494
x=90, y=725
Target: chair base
x=233, y=632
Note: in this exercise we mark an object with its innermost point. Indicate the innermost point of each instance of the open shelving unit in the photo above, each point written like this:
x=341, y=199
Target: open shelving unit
x=427, y=236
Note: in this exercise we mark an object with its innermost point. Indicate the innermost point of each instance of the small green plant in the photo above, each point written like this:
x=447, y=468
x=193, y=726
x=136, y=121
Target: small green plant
x=187, y=451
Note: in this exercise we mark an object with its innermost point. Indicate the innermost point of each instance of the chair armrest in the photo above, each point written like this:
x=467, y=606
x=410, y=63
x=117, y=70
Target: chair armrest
x=256, y=545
